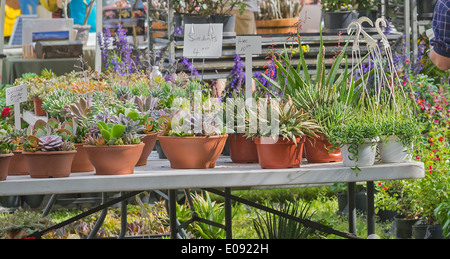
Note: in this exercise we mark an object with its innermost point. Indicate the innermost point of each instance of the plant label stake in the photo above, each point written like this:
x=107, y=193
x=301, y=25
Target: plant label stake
x=14, y=96
x=248, y=45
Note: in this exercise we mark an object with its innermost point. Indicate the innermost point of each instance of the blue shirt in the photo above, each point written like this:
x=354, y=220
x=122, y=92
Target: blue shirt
x=441, y=28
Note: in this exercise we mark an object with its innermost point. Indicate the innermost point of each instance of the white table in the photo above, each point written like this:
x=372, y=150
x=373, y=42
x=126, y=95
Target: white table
x=157, y=175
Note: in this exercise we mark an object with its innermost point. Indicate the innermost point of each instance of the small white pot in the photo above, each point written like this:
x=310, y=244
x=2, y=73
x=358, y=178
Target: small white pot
x=366, y=155
x=393, y=151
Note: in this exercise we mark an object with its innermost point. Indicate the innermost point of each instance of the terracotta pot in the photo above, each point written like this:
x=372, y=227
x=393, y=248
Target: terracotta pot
x=282, y=154
x=242, y=150
x=5, y=160
x=18, y=164
x=192, y=152
x=38, y=111
x=81, y=161
x=51, y=164
x=114, y=159
x=317, y=150
x=149, y=141
x=276, y=26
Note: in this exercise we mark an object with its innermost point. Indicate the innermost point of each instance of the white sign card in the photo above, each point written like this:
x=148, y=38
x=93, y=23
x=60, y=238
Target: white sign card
x=248, y=45
x=203, y=40
x=14, y=96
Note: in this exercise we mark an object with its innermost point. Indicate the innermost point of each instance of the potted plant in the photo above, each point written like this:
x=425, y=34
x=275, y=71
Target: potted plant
x=357, y=138
x=194, y=139
x=325, y=97
x=150, y=116
x=282, y=147
x=112, y=145
x=278, y=16
x=48, y=150
x=18, y=164
x=337, y=14
x=6, y=153
x=397, y=137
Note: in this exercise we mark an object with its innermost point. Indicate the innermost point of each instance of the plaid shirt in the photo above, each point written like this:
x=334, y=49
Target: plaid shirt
x=441, y=28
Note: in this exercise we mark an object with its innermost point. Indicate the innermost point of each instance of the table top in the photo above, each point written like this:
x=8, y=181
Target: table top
x=157, y=175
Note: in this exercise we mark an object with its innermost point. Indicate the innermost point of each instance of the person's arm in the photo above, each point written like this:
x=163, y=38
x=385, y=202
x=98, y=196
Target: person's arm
x=440, y=52
x=441, y=62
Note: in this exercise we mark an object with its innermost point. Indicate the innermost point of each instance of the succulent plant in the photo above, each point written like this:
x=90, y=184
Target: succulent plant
x=49, y=136
x=6, y=144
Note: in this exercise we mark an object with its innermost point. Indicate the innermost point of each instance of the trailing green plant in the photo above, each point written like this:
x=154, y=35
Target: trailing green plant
x=361, y=129
x=272, y=226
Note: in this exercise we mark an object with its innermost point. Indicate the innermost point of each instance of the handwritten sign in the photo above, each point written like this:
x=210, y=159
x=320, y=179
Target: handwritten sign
x=16, y=94
x=248, y=45
x=203, y=40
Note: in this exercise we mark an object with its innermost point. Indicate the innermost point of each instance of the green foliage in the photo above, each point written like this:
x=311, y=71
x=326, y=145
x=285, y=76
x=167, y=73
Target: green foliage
x=27, y=221
x=272, y=226
x=442, y=214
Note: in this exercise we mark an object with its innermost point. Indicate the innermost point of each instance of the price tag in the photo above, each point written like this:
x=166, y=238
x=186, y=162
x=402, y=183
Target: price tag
x=14, y=96
x=203, y=40
x=248, y=45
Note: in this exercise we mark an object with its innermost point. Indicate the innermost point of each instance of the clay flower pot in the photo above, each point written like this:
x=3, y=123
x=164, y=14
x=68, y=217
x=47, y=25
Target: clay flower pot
x=192, y=152
x=51, y=164
x=242, y=150
x=81, y=161
x=18, y=164
x=282, y=154
x=114, y=159
x=38, y=111
x=5, y=160
x=149, y=141
x=317, y=150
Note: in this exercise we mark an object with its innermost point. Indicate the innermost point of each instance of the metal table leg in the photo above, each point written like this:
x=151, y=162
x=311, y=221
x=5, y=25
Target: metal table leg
x=370, y=208
x=351, y=208
x=228, y=215
x=173, y=213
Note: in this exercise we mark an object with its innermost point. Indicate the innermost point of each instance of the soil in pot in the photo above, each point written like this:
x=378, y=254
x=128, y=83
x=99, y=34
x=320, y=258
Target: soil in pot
x=149, y=141
x=403, y=227
x=114, y=159
x=5, y=160
x=284, y=153
x=81, y=161
x=18, y=164
x=192, y=152
x=51, y=164
x=242, y=150
x=317, y=151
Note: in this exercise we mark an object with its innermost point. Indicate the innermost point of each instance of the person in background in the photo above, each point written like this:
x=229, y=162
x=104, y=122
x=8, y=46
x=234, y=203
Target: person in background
x=440, y=42
x=245, y=22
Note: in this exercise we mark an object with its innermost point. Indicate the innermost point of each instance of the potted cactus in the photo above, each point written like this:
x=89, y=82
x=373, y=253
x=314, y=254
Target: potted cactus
x=48, y=150
x=113, y=145
x=284, y=149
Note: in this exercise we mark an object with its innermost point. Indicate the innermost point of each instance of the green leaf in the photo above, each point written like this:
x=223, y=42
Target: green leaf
x=117, y=130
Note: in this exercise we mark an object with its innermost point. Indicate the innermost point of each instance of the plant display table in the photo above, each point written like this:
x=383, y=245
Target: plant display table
x=157, y=175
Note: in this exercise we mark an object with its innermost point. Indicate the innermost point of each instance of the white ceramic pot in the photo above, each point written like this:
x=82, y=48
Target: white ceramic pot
x=366, y=155
x=393, y=151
